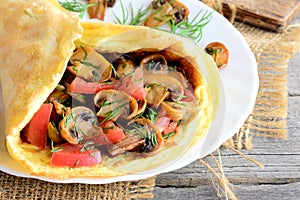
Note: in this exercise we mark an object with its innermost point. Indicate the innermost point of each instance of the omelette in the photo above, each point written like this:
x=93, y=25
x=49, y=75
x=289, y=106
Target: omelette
x=95, y=99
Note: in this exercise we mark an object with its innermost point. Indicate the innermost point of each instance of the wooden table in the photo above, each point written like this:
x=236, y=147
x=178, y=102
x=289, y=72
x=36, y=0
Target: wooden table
x=280, y=179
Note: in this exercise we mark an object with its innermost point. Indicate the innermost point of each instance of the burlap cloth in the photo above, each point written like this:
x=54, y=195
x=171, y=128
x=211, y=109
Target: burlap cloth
x=272, y=51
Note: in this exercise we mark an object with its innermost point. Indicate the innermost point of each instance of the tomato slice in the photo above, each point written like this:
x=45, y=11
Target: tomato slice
x=170, y=128
x=79, y=85
x=133, y=84
x=75, y=156
x=188, y=96
x=36, y=129
x=112, y=132
x=162, y=123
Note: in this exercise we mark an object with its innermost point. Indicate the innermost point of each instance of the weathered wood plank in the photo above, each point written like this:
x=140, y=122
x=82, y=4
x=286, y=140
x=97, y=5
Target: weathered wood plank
x=294, y=76
x=243, y=192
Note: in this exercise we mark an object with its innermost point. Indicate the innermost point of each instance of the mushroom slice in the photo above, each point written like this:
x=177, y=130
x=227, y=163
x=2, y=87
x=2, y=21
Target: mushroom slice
x=144, y=136
x=219, y=52
x=125, y=66
x=142, y=104
x=160, y=15
x=59, y=108
x=114, y=103
x=97, y=8
x=171, y=83
x=59, y=94
x=54, y=134
x=156, y=94
x=173, y=110
x=90, y=65
x=153, y=140
x=154, y=61
x=78, y=123
x=175, y=74
x=128, y=143
x=181, y=13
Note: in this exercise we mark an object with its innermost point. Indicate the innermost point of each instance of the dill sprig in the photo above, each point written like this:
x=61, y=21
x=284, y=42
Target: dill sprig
x=135, y=19
x=191, y=29
x=144, y=133
x=75, y=6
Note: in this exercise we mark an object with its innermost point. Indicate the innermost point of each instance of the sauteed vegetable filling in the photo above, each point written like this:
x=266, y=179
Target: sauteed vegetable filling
x=111, y=104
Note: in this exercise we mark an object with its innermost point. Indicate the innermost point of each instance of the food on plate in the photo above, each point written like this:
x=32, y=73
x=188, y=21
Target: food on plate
x=219, y=52
x=159, y=12
x=163, y=11
x=97, y=99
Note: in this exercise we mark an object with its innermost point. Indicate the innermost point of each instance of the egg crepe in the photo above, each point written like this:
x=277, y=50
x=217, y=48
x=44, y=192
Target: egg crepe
x=35, y=49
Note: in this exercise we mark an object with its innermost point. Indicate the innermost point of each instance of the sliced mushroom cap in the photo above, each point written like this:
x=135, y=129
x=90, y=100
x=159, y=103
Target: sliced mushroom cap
x=54, y=134
x=79, y=122
x=181, y=13
x=171, y=83
x=59, y=108
x=154, y=62
x=160, y=15
x=59, y=94
x=175, y=74
x=156, y=94
x=125, y=66
x=219, y=52
x=154, y=141
x=90, y=65
x=114, y=103
x=97, y=9
x=142, y=104
x=173, y=110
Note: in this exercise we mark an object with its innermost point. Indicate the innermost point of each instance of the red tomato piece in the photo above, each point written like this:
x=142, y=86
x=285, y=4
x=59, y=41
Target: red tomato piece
x=79, y=85
x=75, y=156
x=36, y=129
x=133, y=84
x=162, y=123
x=189, y=96
x=112, y=132
x=170, y=128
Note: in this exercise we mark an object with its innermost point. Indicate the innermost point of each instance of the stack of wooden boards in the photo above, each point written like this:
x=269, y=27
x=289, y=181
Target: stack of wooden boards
x=272, y=15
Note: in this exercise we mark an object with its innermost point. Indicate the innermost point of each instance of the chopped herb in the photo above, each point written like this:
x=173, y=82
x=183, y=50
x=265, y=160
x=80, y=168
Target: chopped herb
x=152, y=114
x=114, y=71
x=144, y=134
x=75, y=6
x=181, y=103
x=135, y=19
x=55, y=149
x=76, y=164
x=89, y=64
x=85, y=53
x=108, y=128
x=92, y=154
x=87, y=146
x=79, y=130
x=133, y=77
x=168, y=135
x=68, y=119
x=54, y=126
x=211, y=51
x=124, y=15
x=113, y=113
x=192, y=29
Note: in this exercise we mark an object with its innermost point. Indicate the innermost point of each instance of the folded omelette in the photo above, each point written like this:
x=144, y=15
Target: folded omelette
x=95, y=99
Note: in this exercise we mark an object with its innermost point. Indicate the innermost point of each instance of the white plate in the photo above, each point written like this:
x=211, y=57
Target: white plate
x=240, y=82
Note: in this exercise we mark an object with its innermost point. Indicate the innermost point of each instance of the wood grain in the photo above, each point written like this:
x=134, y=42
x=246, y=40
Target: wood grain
x=279, y=180
x=268, y=14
